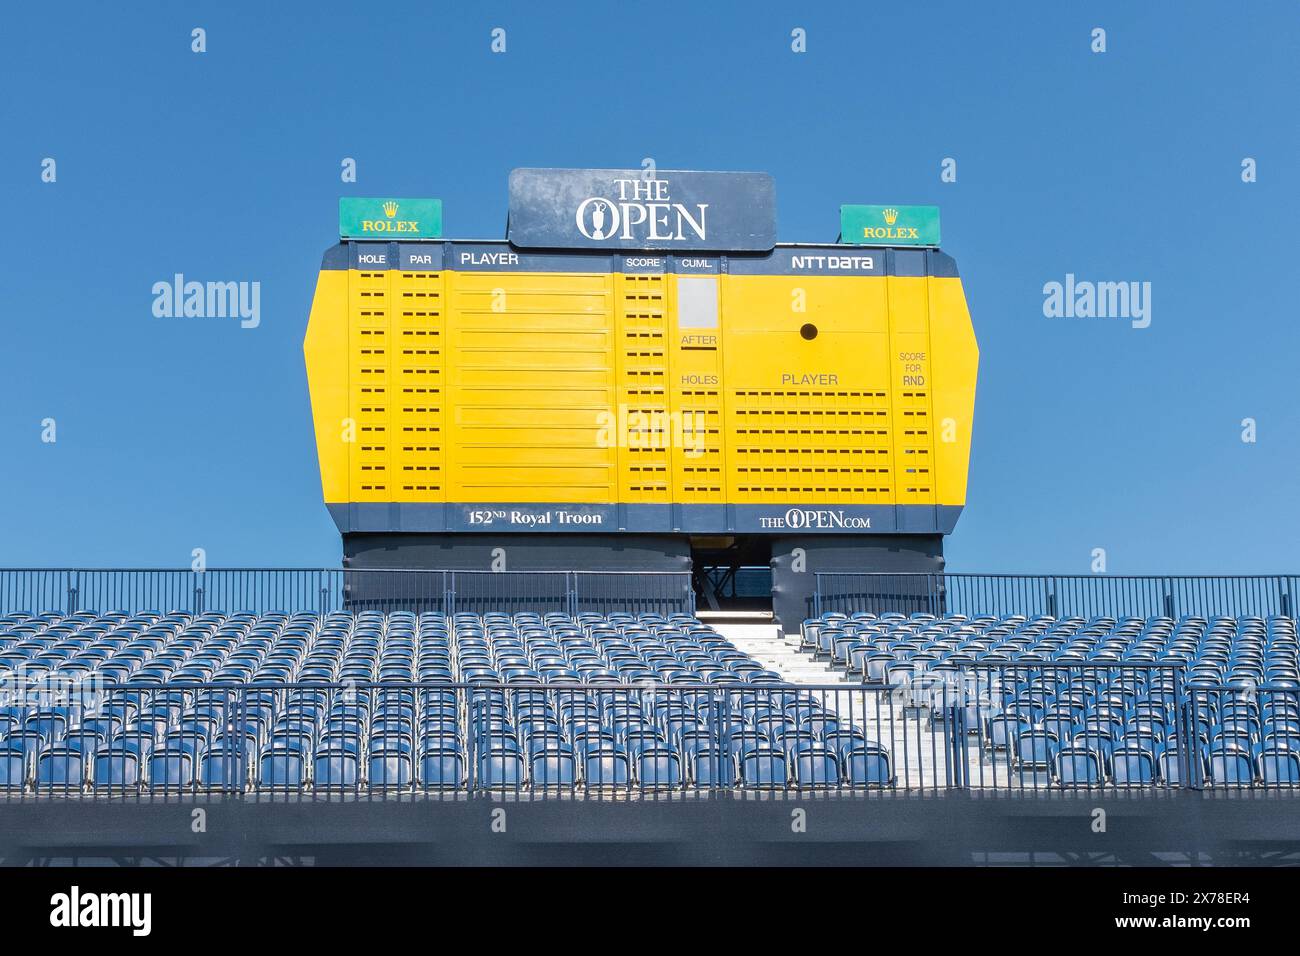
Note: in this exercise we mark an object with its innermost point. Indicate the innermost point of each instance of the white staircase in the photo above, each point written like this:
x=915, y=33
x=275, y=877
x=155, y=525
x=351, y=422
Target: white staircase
x=757, y=636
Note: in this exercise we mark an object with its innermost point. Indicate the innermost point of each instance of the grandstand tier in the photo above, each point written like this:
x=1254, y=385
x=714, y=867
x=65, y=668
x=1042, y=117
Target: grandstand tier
x=621, y=703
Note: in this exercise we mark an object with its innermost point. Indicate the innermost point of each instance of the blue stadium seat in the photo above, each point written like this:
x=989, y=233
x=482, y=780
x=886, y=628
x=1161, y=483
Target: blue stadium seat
x=1279, y=768
x=1004, y=731
x=501, y=770
x=763, y=768
x=282, y=768
x=815, y=767
x=171, y=769
x=116, y=769
x=223, y=769
x=604, y=769
x=336, y=768
x=1170, y=769
x=553, y=769
x=658, y=769
x=1076, y=767
x=389, y=768
x=50, y=725
x=869, y=767
x=712, y=769
x=60, y=768
x=28, y=742
x=1035, y=750
x=1231, y=768
x=13, y=770
x=1132, y=767
x=442, y=769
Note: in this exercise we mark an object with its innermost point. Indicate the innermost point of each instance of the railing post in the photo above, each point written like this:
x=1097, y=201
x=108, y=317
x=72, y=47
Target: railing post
x=1189, y=751
x=955, y=732
x=70, y=586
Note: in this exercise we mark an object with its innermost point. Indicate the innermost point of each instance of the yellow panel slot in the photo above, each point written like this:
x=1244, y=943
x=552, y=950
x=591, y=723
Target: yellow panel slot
x=531, y=379
x=697, y=472
x=641, y=425
x=418, y=410
x=370, y=296
x=910, y=364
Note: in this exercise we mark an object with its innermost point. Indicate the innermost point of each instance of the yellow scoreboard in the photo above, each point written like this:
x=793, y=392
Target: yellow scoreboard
x=468, y=386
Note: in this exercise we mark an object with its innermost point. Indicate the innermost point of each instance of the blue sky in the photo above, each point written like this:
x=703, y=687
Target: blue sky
x=1122, y=166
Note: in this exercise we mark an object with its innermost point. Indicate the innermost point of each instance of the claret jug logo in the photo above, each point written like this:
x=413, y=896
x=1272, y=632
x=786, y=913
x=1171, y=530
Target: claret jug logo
x=641, y=209
x=816, y=519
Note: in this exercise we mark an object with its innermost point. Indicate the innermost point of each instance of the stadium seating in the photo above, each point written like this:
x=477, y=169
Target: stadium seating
x=407, y=702
x=626, y=704
x=1094, y=701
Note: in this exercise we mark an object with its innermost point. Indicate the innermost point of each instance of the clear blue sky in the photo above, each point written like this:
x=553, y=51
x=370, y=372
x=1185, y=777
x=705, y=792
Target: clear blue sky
x=176, y=434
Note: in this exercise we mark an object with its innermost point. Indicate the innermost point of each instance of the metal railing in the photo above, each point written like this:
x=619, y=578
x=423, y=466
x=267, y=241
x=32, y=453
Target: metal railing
x=1247, y=737
x=1019, y=727
x=322, y=590
x=380, y=741
x=1060, y=595
x=1036, y=725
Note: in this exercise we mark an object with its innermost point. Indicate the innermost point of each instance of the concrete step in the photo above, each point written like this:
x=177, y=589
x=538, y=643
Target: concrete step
x=766, y=644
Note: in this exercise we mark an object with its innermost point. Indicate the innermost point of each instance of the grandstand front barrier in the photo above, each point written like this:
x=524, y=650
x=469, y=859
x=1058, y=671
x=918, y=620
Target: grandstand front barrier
x=1060, y=595
x=392, y=740
x=322, y=590
x=1014, y=728
x=1249, y=737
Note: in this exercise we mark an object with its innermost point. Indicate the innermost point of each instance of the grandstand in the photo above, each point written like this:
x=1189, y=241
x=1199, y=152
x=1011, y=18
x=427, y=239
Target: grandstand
x=617, y=703
x=377, y=701
x=540, y=704
x=541, y=613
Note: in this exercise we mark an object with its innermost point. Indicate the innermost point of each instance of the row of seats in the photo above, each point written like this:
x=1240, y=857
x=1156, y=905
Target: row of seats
x=391, y=736
x=1129, y=766
x=887, y=648
x=64, y=770
x=157, y=648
